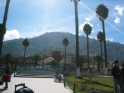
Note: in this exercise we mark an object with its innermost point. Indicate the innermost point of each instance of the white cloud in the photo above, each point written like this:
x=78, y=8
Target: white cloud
x=44, y=29
x=88, y=19
x=90, y=37
x=82, y=25
x=110, y=39
x=35, y=29
x=117, y=20
x=95, y=37
x=120, y=9
x=11, y=34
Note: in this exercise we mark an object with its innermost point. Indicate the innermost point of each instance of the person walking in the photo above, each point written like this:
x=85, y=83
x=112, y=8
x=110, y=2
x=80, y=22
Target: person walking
x=7, y=72
x=116, y=73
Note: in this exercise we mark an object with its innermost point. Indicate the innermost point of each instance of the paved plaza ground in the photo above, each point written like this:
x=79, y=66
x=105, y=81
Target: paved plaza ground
x=38, y=85
x=36, y=74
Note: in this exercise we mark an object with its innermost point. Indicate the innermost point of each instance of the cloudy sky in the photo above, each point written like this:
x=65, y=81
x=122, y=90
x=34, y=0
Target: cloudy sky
x=30, y=18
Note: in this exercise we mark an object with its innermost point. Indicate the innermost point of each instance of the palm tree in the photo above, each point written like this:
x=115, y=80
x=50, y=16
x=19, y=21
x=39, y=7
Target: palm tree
x=7, y=58
x=77, y=39
x=97, y=59
x=25, y=43
x=36, y=58
x=65, y=43
x=102, y=13
x=87, y=29
x=3, y=26
x=100, y=37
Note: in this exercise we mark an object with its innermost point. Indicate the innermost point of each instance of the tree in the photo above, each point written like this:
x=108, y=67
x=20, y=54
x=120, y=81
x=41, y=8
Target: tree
x=87, y=29
x=57, y=56
x=82, y=61
x=53, y=63
x=25, y=43
x=100, y=37
x=3, y=25
x=77, y=39
x=7, y=58
x=102, y=13
x=36, y=58
x=65, y=43
x=97, y=59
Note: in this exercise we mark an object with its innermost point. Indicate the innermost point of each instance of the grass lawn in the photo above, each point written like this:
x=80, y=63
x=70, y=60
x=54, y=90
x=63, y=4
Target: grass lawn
x=105, y=84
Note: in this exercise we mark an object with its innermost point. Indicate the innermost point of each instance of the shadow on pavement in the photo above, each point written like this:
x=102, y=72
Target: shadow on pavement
x=1, y=90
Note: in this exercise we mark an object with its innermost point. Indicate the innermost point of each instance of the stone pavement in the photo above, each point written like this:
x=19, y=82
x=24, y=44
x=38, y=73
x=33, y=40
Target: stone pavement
x=38, y=85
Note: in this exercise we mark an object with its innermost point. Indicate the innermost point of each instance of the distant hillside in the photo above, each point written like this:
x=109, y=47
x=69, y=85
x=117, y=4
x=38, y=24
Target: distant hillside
x=48, y=42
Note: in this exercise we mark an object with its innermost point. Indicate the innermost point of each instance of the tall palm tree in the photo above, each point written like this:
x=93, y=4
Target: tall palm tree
x=100, y=37
x=87, y=29
x=25, y=43
x=36, y=58
x=3, y=26
x=77, y=39
x=102, y=13
x=65, y=43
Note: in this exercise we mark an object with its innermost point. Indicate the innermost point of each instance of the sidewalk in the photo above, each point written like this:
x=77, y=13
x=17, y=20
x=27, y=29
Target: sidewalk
x=38, y=85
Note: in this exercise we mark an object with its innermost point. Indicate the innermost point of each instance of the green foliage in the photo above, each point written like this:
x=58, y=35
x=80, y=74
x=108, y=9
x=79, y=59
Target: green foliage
x=100, y=36
x=65, y=41
x=7, y=57
x=102, y=11
x=53, y=63
x=36, y=58
x=82, y=60
x=97, y=58
x=87, y=29
x=91, y=83
x=25, y=42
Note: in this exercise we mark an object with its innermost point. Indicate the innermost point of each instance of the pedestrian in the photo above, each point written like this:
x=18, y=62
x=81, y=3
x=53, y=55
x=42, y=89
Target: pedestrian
x=122, y=73
x=7, y=72
x=116, y=73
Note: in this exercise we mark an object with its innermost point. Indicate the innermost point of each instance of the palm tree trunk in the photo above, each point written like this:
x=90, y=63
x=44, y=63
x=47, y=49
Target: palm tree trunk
x=64, y=65
x=77, y=40
x=98, y=65
x=43, y=60
x=65, y=59
x=1, y=42
x=6, y=12
x=101, y=55
x=3, y=26
x=105, y=51
x=87, y=52
x=24, y=57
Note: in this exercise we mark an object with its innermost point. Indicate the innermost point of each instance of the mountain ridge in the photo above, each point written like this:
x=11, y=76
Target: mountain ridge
x=53, y=41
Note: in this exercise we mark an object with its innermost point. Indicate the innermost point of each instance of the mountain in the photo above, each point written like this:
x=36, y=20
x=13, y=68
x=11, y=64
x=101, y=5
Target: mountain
x=48, y=42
